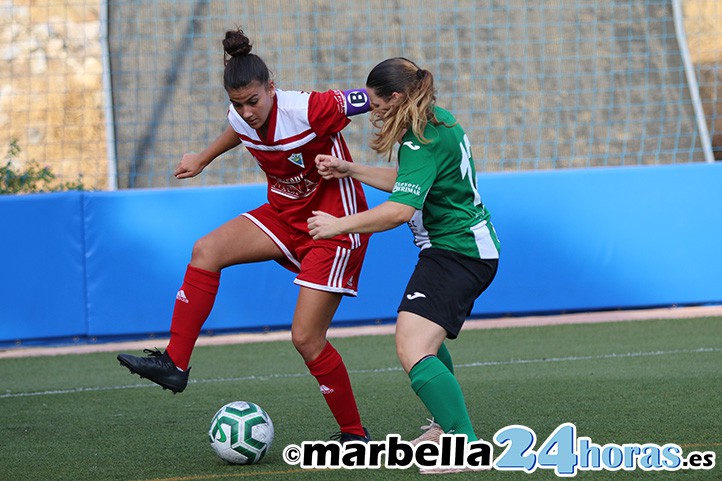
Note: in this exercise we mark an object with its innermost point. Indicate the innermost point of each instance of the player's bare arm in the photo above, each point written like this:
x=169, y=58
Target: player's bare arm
x=382, y=217
x=330, y=167
x=193, y=164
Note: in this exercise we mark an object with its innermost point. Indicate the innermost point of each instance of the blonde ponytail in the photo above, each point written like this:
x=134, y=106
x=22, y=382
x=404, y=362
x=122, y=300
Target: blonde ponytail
x=414, y=108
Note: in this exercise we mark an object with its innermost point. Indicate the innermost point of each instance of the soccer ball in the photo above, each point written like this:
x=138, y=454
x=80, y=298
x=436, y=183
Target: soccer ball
x=241, y=433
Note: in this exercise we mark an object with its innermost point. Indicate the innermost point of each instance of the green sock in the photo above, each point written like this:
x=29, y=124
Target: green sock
x=439, y=390
x=445, y=357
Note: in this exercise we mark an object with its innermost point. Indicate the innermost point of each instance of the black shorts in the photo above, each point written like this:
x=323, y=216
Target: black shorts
x=445, y=285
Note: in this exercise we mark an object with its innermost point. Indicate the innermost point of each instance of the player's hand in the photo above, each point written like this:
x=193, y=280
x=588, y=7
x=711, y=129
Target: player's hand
x=331, y=167
x=323, y=225
x=189, y=166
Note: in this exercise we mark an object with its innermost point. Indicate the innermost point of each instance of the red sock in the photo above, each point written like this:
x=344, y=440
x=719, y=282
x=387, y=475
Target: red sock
x=193, y=304
x=330, y=372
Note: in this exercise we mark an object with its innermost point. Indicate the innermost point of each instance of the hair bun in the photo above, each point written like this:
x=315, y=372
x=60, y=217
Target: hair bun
x=236, y=43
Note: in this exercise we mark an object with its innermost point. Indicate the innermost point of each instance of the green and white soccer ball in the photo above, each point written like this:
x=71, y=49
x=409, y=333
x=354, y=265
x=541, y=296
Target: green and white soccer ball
x=241, y=432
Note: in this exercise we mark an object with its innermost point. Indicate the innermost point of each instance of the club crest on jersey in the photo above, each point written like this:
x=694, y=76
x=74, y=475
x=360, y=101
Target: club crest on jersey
x=296, y=159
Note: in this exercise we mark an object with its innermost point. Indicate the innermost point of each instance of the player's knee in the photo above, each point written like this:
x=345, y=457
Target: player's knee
x=410, y=353
x=204, y=252
x=404, y=355
x=308, y=345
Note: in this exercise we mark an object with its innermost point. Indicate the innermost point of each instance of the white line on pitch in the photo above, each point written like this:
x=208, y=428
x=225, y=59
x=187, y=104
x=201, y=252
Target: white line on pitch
x=701, y=350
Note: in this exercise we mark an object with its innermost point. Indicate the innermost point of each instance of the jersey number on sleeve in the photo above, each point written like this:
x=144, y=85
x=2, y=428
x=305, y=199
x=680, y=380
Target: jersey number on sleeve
x=466, y=169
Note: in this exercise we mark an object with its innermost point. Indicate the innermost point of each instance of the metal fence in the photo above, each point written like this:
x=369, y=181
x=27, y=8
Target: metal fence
x=118, y=92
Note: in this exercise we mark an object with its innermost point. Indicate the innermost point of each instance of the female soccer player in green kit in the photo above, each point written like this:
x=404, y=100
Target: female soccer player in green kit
x=434, y=191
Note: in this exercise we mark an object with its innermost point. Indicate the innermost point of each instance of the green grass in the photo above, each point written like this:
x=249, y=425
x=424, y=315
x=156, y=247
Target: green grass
x=83, y=417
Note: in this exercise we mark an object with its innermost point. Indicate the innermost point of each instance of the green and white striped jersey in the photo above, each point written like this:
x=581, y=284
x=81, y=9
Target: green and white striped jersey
x=438, y=179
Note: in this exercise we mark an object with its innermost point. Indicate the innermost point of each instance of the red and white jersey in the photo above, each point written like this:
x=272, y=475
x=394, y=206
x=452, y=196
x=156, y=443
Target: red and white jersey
x=302, y=125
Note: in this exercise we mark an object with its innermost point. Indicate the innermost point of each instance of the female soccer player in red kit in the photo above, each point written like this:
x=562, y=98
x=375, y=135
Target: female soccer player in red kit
x=284, y=131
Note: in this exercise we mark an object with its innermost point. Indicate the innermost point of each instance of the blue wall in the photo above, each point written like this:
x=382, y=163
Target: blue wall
x=105, y=264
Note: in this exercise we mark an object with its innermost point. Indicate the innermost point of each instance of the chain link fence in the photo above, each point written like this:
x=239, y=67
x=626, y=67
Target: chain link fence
x=114, y=93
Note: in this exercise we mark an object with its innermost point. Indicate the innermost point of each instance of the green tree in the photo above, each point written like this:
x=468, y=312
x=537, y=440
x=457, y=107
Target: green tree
x=32, y=177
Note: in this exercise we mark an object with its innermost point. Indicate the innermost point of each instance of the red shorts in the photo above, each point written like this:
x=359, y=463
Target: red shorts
x=332, y=265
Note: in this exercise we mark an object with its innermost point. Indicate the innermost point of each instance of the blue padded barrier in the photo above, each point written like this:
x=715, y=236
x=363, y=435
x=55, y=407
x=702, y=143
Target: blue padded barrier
x=139, y=243
x=42, y=273
x=606, y=238
x=108, y=264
